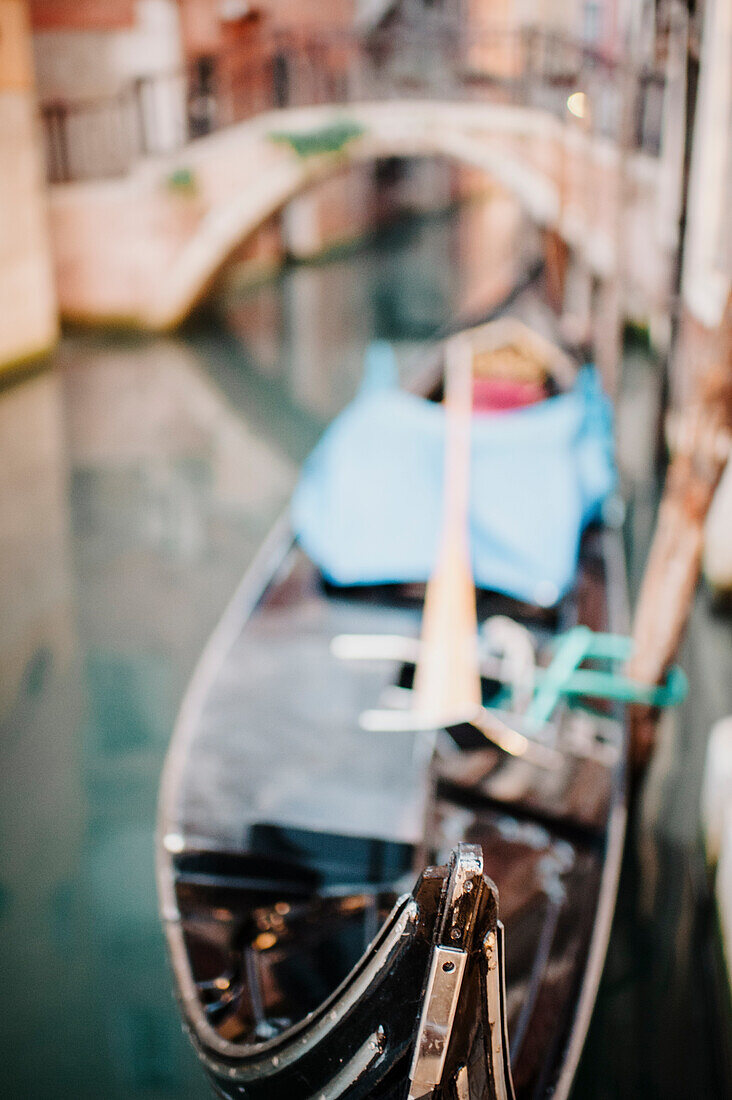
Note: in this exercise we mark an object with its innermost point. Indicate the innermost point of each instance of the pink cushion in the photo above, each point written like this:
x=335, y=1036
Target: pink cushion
x=501, y=394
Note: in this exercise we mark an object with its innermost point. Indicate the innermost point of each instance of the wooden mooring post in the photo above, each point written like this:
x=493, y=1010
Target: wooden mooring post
x=701, y=440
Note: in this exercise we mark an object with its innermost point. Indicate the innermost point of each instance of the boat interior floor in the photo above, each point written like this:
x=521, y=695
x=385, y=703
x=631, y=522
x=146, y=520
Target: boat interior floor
x=277, y=740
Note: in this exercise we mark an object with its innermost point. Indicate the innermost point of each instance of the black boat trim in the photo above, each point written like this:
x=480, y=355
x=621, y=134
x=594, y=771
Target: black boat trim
x=393, y=938
x=362, y=1061
x=597, y=951
x=618, y=621
x=497, y=1011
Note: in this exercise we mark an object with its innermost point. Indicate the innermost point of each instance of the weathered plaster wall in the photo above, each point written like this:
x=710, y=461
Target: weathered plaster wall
x=76, y=63
x=27, y=298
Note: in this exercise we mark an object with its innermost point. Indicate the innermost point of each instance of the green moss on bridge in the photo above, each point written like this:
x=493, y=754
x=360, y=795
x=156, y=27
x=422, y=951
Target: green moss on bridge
x=326, y=139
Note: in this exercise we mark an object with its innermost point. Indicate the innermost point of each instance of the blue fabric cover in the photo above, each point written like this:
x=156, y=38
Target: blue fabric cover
x=368, y=506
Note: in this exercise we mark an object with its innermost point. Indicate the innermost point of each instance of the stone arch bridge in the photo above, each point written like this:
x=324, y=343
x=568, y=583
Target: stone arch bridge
x=144, y=248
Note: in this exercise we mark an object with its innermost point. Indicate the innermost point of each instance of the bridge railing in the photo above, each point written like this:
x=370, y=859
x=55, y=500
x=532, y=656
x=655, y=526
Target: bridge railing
x=105, y=137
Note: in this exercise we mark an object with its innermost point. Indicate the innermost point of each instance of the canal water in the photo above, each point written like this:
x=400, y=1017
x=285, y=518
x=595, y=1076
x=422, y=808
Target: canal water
x=137, y=479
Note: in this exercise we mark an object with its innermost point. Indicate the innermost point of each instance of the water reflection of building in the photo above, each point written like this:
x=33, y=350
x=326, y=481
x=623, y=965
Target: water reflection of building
x=41, y=709
x=171, y=491
x=131, y=494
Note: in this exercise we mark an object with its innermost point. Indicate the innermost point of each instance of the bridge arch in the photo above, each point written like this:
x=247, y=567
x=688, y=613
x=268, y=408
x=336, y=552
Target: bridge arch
x=157, y=246
x=256, y=175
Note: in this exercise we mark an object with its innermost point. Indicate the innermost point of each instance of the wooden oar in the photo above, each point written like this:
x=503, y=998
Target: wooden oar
x=447, y=686
x=447, y=676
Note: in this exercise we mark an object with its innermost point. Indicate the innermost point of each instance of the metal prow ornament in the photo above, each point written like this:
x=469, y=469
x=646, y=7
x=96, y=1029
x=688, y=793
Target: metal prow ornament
x=465, y=994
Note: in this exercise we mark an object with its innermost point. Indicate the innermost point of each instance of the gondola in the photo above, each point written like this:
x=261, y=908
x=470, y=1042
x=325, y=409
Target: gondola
x=360, y=908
